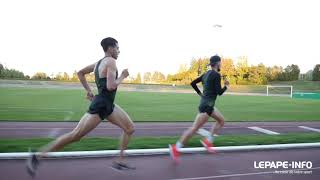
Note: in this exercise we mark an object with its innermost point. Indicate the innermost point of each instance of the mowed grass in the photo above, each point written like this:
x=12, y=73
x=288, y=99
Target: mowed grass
x=90, y=144
x=27, y=104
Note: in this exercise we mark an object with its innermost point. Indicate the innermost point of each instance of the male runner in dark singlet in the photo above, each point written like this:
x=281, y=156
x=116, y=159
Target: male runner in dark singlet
x=102, y=106
x=211, y=81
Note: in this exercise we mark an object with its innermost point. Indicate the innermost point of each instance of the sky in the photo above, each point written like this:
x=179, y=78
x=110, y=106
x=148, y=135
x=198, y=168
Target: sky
x=54, y=36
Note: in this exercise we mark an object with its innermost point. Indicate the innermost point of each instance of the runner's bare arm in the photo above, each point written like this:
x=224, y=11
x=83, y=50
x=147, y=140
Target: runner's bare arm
x=81, y=75
x=112, y=82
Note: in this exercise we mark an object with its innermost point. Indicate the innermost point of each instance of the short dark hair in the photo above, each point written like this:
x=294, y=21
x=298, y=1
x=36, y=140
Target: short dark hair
x=108, y=42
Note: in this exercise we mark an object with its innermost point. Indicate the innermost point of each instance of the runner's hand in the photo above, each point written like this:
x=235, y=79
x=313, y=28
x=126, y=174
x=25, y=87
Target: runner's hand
x=125, y=73
x=226, y=82
x=90, y=96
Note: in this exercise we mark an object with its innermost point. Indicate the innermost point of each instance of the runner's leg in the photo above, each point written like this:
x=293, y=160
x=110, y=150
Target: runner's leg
x=200, y=120
x=87, y=123
x=217, y=115
x=121, y=119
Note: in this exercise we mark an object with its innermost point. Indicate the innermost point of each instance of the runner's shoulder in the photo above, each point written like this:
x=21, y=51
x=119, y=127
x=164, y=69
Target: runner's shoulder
x=214, y=74
x=109, y=61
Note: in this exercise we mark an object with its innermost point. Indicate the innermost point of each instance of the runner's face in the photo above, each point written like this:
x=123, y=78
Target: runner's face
x=219, y=66
x=115, y=51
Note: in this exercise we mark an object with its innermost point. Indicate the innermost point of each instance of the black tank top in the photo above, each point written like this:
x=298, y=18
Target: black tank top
x=102, y=85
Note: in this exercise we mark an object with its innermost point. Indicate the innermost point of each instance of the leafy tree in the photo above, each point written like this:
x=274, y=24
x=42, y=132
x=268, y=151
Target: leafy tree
x=228, y=69
x=74, y=76
x=137, y=80
x=170, y=78
x=10, y=73
x=257, y=74
x=158, y=77
x=198, y=66
x=147, y=77
x=65, y=76
x=273, y=73
x=1, y=69
x=59, y=76
x=242, y=70
x=290, y=73
x=40, y=76
x=316, y=73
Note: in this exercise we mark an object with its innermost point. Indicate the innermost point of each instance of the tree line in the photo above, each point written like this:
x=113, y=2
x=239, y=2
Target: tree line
x=240, y=73
x=11, y=73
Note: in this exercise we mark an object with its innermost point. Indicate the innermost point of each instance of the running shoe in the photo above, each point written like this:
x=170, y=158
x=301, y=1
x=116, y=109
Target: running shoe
x=32, y=164
x=122, y=166
x=174, y=153
x=207, y=144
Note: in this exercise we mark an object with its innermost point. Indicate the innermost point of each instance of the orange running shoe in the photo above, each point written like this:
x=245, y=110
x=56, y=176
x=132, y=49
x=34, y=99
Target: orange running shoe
x=174, y=153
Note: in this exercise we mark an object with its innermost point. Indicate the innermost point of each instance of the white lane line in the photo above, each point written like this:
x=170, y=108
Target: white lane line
x=309, y=128
x=143, y=128
x=39, y=128
x=266, y=131
x=242, y=174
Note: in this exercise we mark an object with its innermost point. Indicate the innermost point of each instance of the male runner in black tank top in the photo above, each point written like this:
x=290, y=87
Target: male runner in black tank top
x=102, y=106
x=103, y=103
x=211, y=81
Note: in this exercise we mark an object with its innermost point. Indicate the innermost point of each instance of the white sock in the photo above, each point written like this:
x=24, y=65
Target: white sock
x=210, y=138
x=179, y=145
